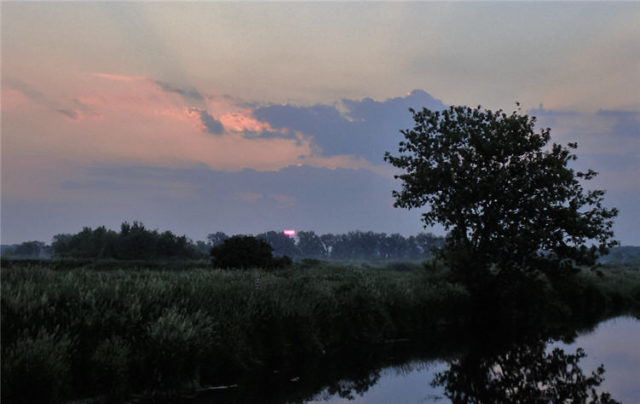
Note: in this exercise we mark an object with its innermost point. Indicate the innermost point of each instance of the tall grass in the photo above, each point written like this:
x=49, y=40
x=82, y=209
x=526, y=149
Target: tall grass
x=169, y=330
x=79, y=332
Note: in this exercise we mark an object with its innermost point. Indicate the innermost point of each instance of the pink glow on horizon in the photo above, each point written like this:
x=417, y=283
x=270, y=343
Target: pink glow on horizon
x=289, y=233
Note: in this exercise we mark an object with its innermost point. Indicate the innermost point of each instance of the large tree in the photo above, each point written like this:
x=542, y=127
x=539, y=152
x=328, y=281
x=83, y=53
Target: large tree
x=507, y=198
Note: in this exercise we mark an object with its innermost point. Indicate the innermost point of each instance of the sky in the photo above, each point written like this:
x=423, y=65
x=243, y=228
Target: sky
x=245, y=117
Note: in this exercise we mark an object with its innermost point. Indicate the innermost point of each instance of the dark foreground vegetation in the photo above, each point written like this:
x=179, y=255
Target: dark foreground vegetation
x=82, y=332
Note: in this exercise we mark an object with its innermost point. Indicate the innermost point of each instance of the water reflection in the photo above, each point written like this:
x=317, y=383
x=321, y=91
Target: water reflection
x=524, y=373
x=469, y=370
x=552, y=368
x=351, y=388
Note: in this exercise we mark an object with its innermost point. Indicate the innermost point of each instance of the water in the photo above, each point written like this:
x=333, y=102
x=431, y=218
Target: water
x=401, y=385
x=530, y=370
x=614, y=343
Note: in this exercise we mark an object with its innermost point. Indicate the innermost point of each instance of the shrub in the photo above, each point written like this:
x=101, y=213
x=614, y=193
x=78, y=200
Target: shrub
x=246, y=252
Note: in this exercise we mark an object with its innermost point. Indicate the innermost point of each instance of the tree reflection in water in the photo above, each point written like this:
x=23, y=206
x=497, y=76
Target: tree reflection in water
x=353, y=386
x=525, y=373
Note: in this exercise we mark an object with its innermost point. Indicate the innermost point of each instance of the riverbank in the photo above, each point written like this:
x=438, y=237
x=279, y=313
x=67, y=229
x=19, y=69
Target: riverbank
x=85, y=333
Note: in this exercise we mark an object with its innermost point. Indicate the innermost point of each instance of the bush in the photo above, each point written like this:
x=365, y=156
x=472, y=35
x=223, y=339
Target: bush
x=246, y=252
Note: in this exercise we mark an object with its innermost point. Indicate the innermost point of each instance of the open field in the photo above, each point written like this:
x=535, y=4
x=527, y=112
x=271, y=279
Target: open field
x=81, y=333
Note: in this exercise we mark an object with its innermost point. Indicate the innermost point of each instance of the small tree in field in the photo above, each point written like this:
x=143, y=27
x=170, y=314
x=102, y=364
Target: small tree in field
x=506, y=198
x=246, y=252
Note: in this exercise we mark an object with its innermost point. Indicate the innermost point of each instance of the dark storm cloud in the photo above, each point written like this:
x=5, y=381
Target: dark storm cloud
x=364, y=128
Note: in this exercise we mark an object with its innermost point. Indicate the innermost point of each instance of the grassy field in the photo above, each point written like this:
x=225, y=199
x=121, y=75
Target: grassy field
x=119, y=329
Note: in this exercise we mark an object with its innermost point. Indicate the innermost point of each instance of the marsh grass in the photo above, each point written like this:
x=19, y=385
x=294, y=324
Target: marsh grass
x=87, y=332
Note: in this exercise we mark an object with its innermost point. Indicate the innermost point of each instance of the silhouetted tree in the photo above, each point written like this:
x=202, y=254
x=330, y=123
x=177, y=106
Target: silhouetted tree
x=506, y=198
x=246, y=252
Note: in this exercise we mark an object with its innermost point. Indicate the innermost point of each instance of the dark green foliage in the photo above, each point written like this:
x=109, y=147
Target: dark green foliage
x=133, y=242
x=246, y=252
x=506, y=198
x=281, y=262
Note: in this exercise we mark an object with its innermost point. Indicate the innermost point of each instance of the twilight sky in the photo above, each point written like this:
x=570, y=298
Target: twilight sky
x=247, y=117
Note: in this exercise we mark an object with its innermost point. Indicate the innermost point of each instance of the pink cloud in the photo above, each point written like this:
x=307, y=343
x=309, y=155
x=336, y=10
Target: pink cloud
x=119, y=77
x=239, y=122
x=12, y=99
x=131, y=120
x=139, y=123
x=149, y=93
x=237, y=118
x=189, y=116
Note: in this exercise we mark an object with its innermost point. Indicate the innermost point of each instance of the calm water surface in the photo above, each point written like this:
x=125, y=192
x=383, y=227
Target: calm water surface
x=614, y=343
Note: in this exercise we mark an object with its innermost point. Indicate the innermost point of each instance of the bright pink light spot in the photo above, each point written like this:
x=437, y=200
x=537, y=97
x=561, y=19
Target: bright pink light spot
x=289, y=233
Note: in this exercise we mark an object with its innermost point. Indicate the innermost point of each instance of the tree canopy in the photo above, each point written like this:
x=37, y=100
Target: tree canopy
x=506, y=197
x=246, y=252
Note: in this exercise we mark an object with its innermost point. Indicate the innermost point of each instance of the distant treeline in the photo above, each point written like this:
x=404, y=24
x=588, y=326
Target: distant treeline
x=28, y=249
x=622, y=255
x=133, y=242
x=136, y=242
x=352, y=246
